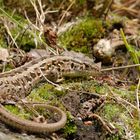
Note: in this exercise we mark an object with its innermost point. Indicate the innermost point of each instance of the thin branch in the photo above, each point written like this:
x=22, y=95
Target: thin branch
x=13, y=39
x=93, y=115
x=137, y=99
x=121, y=67
x=30, y=23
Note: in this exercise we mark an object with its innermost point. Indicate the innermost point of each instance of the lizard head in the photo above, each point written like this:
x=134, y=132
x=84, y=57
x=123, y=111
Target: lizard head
x=83, y=59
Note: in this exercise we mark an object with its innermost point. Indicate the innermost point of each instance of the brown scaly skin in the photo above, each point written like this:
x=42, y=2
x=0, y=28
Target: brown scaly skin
x=18, y=83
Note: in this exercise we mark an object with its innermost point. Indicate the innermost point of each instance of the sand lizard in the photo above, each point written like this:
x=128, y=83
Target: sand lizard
x=19, y=82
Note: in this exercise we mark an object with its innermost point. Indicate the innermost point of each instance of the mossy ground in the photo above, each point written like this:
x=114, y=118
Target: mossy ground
x=16, y=28
x=80, y=38
x=118, y=114
x=84, y=35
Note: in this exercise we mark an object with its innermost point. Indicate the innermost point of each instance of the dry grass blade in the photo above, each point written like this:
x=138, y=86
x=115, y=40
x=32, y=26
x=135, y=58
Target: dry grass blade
x=40, y=16
x=121, y=100
x=13, y=39
x=130, y=7
x=137, y=99
x=63, y=16
x=121, y=67
x=39, y=24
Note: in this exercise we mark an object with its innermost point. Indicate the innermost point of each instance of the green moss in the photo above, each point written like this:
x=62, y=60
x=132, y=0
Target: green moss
x=80, y=37
x=116, y=115
x=84, y=35
x=46, y=92
x=17, y=111
x=13, y=109
x=70, y=127
x=136, y=126
x=42, y=93
x=111, y=112
x=125, y=94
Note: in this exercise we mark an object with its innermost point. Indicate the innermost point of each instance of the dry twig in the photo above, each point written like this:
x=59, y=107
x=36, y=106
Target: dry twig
x=121, y=100
x=93, y=115
x=13, y=39
x=137, y=99
x=121, y=67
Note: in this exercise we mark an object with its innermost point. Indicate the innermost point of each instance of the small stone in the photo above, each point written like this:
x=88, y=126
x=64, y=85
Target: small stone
x=88, y=122
x=4, y=54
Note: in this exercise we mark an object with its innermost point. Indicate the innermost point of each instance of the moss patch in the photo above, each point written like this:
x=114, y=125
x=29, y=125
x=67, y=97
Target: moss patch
x=19, y=112
x=113, y=112
x=83, y=35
